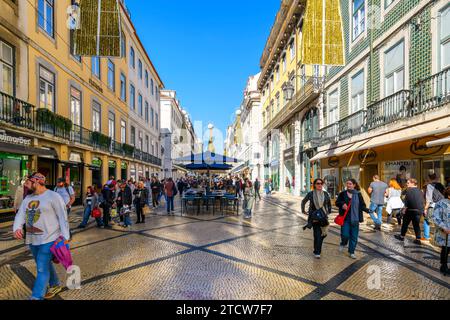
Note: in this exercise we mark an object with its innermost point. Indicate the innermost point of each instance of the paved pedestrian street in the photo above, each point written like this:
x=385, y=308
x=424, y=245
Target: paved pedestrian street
x=215, y=257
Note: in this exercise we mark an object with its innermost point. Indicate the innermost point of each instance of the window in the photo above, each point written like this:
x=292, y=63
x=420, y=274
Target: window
x=444, y=22
x=111, y=75
x=112, y=125
x=133, y=136
x=156, y=149
x=292, y=49
x=123, y=46
x=153, y=149
x=316, y=70
x=152, y=117
x=96, y=117
x=147, y=143
x=277, y=73
x=132, y=97
x=6, y=68
x=387, y=3
x=45, y=16
x=123, y=86
x=75, y=106
x=141, y=144
x=132, y=62
x=394, y=69
x=157, y=121
x=146, y=111
x=151, y=85
x=140, y=105
x=96, y=66
x=140, y=69
x=123, y=131
x=303, y=75
x=333, y=107
x=146, y=78
x=357, y=92
x=359, y=17
x=46, y=89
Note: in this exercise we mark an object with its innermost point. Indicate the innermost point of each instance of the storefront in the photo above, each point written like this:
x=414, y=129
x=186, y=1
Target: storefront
x=331, y=178
x=112, y=169
x=289, y=170
x=13, y=167
x=399, y=161
x=123, y=171
x=275, y=174
x=133, y=172
x=73, y=172
x=96, y=169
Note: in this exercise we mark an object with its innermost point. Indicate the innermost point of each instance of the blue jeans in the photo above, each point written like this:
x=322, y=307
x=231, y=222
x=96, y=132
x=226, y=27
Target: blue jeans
x=349, y=235
x=169, y=201
x=126, y=220
x=87, y=215
x=378, y=208
x=46, y=274
x=426, y=224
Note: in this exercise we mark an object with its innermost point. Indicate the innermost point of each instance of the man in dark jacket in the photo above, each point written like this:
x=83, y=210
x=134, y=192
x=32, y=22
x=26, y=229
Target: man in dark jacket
x=413, y=210
x=108, y=200
x=257, y=186
x=180, y=186
x=156, y=190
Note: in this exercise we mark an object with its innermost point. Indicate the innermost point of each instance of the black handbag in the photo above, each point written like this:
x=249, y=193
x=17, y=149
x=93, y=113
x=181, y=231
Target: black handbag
x=318, y=216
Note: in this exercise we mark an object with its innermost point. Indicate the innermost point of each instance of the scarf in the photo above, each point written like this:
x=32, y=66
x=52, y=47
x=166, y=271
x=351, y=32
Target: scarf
x=318, y=198
x=354, y=208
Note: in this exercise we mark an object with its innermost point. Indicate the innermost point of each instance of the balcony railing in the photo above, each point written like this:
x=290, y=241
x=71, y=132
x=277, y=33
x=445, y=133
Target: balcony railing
x=432, y=92
x=390, y=109
x=330, y=133
x=22, y=114
x=353, y=124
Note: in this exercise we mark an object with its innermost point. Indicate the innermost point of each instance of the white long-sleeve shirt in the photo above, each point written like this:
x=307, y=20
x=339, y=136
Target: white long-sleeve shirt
x=45, y=216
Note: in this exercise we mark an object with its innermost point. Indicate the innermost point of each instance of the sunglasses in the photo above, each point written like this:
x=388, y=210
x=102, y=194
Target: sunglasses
x=319, y=184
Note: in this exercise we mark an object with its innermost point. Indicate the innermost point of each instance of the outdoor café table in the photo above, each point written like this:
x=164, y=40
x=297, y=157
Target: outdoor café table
x=233, y=198
x=213, y=196
x=190, y=197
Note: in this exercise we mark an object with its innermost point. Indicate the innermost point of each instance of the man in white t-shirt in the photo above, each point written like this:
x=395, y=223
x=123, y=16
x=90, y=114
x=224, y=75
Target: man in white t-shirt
x=45, y=216
x=66, y=192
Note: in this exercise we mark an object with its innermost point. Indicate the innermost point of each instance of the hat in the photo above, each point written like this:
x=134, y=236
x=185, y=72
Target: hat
x=38, y=178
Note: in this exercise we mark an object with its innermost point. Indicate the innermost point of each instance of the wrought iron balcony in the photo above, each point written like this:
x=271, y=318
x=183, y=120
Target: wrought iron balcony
x=352, y=125
x=432, y=92
x=329, y=134
x=390, y=109
x=16, y=112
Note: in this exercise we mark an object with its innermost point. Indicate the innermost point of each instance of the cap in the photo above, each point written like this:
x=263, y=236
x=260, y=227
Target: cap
x=38, y=178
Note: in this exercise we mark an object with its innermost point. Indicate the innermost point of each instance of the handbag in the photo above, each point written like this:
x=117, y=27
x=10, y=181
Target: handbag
x=146, y=210
x=341, y=219
x=96, y=213
x=320, y=217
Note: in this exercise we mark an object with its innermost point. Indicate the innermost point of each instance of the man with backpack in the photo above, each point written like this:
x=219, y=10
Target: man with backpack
x=434, y=194
x=66, y=192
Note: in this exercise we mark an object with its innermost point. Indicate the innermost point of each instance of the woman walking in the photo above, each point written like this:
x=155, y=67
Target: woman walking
x=318, y=200
x=140, y=199
x=441, y=218
x=90, y=204
x=249, y=199
x=169, y=190
x=351, y=205
x=394, y=202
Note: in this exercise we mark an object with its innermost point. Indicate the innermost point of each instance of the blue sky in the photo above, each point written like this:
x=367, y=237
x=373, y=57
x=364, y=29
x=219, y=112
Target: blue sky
x=205, y=49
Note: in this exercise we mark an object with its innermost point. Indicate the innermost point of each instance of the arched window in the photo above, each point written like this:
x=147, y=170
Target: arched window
x=310, y=125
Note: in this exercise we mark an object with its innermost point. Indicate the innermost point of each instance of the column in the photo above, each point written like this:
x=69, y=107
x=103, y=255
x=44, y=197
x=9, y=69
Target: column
x=297, y=163
x=105, y=169
x=119, y=169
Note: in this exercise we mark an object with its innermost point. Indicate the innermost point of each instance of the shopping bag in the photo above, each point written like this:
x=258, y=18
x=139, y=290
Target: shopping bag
x=96, y=213
x=146, y=210
x=341, y=219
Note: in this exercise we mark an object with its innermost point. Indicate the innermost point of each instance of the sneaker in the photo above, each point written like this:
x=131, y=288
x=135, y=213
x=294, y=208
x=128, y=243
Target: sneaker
x=377, y=228
x=317, y=256
x=353, y=256
x=418, y=242
x=52, y=292
x=341, y=248
x=444, y=270
x=424, y=239
x=399, y=237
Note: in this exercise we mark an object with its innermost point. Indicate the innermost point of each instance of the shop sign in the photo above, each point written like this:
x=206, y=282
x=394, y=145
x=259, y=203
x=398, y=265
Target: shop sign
x=96, y=162
x=367, y=156
x=75, y=157
x=112, y=164
x=95, y=85
x=4, y=137
x=124, y=165
x=333, y=162
x=289, y=154
x=419, y=147
x=13, y=156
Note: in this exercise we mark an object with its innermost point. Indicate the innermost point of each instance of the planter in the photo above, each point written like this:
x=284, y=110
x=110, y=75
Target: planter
x=50, y=121
x=101, y=140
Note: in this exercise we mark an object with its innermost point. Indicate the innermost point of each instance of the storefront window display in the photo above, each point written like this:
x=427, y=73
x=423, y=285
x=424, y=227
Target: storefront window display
x=112, y=169
x=12, y=170
x=352, y=172
x=401, y=170
x=431, y=167
x=331, y=180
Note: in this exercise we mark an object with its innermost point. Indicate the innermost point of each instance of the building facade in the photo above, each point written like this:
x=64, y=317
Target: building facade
x=392, y=97
x=290, y=117
x=177, y=134
x=61, y=114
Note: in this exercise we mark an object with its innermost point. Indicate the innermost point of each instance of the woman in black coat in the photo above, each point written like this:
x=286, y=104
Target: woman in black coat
x=352, y=202
x=140, y=200
x=318, y=199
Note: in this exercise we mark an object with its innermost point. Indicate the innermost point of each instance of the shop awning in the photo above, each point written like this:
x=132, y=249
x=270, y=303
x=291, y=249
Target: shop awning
x=179, y=168
x=30, y=151
x=333, y=152
x=438, y=143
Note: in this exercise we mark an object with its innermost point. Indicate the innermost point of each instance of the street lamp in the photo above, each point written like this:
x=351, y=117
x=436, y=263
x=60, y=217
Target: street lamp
x=288, y=90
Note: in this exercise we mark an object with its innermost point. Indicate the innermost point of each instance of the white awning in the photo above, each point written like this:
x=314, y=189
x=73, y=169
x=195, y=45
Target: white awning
x=440, y=142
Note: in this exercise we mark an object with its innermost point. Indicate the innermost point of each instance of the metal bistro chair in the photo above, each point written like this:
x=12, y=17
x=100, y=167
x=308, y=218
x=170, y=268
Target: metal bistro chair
x=230, y=200
x=188, y=198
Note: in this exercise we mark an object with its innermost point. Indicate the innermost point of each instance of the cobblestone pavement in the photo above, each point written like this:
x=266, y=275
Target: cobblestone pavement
x=215, y=257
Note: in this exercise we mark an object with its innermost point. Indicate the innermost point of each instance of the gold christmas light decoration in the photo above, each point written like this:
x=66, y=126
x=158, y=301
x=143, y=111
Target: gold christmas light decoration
x=323, y=39
x=100, y=29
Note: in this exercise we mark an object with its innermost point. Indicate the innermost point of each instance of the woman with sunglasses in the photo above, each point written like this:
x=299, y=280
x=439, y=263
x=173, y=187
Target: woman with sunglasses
x=319, y=206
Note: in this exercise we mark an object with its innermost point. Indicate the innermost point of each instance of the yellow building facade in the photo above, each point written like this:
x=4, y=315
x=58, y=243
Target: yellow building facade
x=63, y=115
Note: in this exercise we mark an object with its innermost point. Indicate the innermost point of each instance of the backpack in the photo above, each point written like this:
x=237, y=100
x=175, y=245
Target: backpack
x=438, y=192
x=175, y=190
